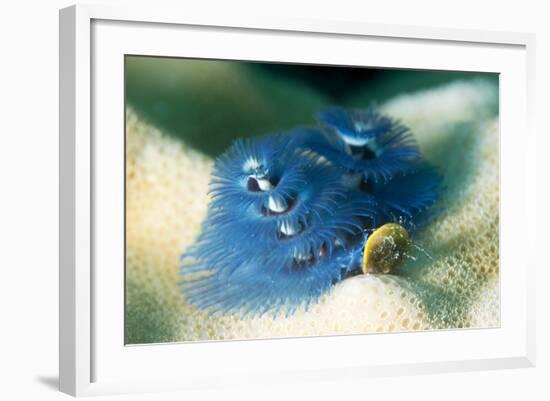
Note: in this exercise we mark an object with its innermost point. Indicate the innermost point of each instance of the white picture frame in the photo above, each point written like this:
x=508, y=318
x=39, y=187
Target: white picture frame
x=91, y=361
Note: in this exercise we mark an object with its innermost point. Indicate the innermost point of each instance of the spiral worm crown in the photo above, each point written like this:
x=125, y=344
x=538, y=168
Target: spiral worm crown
x=290, y=213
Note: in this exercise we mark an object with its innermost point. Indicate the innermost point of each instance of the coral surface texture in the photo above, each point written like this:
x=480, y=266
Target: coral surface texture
x=449, y=279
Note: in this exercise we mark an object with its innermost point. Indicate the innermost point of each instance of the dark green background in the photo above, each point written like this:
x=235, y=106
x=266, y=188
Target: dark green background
x=207, y=103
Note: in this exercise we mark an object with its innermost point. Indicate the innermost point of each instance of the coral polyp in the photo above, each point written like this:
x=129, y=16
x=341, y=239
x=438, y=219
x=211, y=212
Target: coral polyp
x=290, y=213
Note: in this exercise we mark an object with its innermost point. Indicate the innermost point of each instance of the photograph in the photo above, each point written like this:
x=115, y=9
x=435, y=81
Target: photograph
x=272, y=200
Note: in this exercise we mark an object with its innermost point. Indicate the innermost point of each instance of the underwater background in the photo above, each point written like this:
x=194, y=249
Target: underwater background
x=182, y=114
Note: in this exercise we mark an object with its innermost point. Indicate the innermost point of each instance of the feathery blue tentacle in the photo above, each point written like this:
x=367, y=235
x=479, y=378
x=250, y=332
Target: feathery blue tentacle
x=368, y=142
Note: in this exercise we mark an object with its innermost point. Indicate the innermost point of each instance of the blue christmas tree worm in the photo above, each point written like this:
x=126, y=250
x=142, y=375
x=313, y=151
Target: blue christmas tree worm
x=290, y=214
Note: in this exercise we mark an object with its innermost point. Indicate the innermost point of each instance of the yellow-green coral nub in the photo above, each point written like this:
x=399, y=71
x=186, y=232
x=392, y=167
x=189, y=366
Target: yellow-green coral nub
x=385, y=249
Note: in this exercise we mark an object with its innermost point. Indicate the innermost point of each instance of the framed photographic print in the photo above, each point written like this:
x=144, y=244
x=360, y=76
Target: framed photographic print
x=266, y=199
